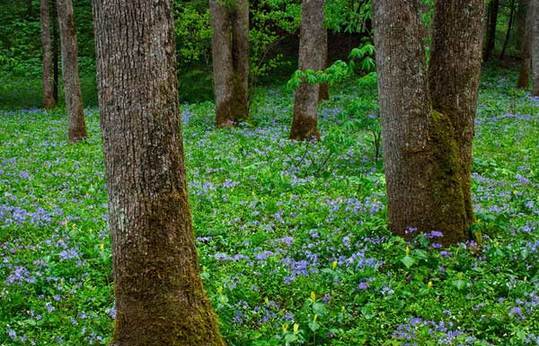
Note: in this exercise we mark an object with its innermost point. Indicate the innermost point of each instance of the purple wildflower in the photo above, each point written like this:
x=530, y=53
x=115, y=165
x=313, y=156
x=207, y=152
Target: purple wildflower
x=363, y=285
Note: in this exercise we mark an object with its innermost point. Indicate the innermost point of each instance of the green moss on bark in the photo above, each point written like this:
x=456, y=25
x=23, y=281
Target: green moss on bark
x=449, y=211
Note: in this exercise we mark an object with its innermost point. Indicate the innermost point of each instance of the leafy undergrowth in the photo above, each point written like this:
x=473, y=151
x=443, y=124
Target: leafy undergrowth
x=292, y=237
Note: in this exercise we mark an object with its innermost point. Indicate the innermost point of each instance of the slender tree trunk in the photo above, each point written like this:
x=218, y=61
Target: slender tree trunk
x=535, y=45
x=490, y=45
x=311, y=57
x=324, y=87
x=486, y=25
x=29, y=9
x=230, y=49
x=509, y=28
x=70, y=71
x=46, y=43
x=421, y=144
x=522, y=9
x=454, y=80
x=159, y=295
x=55, y=50
x=524, y=75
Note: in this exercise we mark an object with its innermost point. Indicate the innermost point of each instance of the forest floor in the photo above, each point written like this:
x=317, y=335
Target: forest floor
x=292, y=237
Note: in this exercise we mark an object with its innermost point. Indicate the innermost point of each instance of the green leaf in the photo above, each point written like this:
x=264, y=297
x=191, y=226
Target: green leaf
x=459, y=284
x=314, y=326
x=408, y=261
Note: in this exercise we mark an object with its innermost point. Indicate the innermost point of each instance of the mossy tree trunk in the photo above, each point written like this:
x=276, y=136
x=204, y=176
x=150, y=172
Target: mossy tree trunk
x=524, y=75
x=490, y=42
x=230, y=51
x=454, y=78
x=312, y=54
x=48, y=65
x=422, y=146
x=159, y=295
x=70, y=71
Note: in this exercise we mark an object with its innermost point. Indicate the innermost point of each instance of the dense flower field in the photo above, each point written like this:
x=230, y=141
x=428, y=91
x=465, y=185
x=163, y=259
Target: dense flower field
x=292, y=237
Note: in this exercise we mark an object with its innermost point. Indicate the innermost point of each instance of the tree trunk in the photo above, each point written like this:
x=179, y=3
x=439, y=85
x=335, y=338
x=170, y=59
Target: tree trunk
x=324, y=87
x=535, y=46
x=230, y=49
x=70, y=71
x=46, y=43
x=509, y=28
x=454, y=81
x=159, y=295
x=522, y=9
x=55, y=49
x=29, y=9
x=490, y=45
x=524, y=75
x=421, y=148
x=311, y=57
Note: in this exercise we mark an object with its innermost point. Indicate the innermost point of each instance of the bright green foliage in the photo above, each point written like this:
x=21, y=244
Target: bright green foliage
x=362, y=58
x=274, y=20
x=361, y=62
x=193, y=32
x=349, y=16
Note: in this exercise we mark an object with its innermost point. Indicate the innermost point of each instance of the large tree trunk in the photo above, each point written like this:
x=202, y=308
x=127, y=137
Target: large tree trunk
x=159, y=295
x=524, y=75
x=535, y=45
x=490, y=42
x=46, y=43
x=70, y=71
x=311, y=57
x=230, y=49
x=421, y=149
x=454, y=79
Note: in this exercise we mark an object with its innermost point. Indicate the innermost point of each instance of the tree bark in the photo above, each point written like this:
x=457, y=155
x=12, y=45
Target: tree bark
x=524, y=75
x=29, y=9
x=535, y=46
x=311, y=57
x=160, y=299
x=230, y=50
x=324, y=87
x=455, y=70
x=509, y=28
x=521, y=11
x=421, y=148
x=490, y=45
x=55, y=49
x=70, y=71
x=46, y=43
